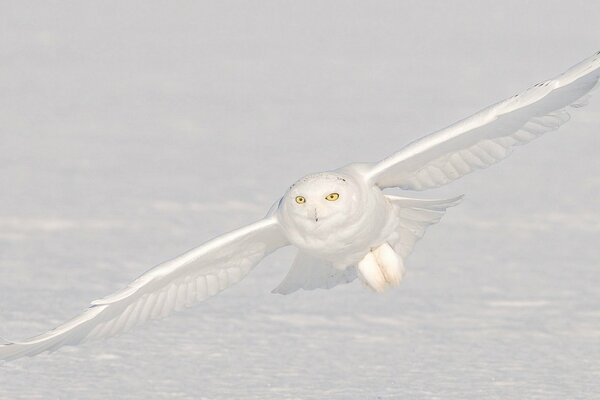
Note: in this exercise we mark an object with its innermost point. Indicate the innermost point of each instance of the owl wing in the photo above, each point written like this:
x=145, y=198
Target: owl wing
x=193, y=276
x=489, y=135
x=414, y=216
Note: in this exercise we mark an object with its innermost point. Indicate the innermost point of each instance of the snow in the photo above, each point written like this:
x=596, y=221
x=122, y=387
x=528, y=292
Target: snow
x=132, y=132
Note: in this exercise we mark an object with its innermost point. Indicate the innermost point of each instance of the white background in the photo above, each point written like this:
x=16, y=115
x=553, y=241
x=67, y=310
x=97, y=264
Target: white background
x=133, y=131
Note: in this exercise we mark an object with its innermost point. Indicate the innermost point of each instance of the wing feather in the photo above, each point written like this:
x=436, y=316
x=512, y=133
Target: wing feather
x=414, y=217
x=489, y=135
x=200, y=273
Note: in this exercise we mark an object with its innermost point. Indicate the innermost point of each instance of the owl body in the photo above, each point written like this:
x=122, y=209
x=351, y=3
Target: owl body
x=340, y=231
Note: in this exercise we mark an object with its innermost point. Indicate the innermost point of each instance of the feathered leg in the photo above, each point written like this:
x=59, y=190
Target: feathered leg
x=371, y=274
x=381, y=267
x=390, y=263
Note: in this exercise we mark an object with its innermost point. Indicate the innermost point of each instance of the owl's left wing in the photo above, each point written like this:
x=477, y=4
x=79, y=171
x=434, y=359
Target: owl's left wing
x=193, y=276
x=489, y=135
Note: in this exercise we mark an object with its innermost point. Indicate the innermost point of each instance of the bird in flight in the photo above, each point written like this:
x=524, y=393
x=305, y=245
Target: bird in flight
x=341, y=222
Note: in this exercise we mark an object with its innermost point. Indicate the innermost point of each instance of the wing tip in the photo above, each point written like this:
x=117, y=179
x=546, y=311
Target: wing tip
x=454, y=201
x=9, y=351
x=282, y=290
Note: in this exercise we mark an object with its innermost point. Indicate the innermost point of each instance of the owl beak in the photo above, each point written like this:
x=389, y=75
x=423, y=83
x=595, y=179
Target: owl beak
x=316, y=216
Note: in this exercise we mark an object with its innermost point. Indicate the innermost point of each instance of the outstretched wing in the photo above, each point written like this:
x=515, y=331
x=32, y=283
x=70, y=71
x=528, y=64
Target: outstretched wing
x=193, y=276
x=488, y=136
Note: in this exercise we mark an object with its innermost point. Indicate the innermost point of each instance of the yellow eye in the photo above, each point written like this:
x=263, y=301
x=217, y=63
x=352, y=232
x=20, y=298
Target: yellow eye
x=332, y=197
x=300, y=200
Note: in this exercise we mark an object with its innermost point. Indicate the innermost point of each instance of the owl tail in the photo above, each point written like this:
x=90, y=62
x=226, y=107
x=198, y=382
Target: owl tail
x=310, y=273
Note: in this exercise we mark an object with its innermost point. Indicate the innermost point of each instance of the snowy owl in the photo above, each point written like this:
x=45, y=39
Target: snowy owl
x=341, y=222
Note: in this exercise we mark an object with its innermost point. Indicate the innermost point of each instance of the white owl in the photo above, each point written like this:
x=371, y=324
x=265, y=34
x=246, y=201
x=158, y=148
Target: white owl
x=341, y=222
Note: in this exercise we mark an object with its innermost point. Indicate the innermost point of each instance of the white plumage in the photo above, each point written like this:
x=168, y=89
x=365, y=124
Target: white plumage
x=341, y=222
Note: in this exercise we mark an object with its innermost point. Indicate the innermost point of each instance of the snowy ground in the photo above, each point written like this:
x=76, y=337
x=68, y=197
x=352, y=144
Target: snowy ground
x=132, y=132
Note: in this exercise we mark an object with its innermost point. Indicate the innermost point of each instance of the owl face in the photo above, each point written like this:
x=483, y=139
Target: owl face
x=317, y=202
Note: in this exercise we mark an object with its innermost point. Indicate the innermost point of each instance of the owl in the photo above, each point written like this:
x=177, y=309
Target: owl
x=341, y=222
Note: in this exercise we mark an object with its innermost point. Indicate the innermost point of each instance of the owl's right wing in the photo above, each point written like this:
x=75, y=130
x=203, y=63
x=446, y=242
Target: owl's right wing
x=193, y=276
x=488, y=136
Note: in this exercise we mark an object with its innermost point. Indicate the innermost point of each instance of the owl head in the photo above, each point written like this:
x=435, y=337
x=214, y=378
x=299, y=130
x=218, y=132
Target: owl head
x=320, y=202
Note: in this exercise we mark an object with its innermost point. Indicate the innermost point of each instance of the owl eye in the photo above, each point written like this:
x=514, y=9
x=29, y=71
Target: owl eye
x=300, y=200
x=332, y=197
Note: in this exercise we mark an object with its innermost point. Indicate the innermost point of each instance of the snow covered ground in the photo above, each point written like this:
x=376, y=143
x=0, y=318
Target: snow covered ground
x=132, y=131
